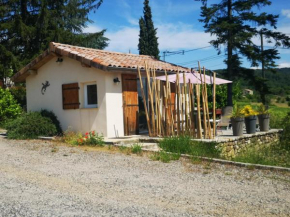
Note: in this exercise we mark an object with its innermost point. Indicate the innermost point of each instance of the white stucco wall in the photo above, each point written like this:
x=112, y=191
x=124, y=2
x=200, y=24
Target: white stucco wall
x=104, y=119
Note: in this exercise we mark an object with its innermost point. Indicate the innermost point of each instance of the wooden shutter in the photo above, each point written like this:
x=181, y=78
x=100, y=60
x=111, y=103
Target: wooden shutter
x=70, y=96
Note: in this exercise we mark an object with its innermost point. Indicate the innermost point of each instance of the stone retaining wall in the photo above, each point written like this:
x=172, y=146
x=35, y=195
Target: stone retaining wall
x=229, y=149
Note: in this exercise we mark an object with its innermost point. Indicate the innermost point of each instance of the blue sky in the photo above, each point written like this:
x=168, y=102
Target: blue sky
x=178, y=28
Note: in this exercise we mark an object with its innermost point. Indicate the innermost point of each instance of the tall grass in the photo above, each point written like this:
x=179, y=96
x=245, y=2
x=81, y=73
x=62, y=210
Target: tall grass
x=184, y=145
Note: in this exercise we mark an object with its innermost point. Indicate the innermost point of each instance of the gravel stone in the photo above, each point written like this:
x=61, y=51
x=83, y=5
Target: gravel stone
x=44, y=178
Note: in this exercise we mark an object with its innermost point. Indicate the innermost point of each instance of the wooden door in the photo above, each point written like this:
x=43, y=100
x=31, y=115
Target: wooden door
x=130, y=104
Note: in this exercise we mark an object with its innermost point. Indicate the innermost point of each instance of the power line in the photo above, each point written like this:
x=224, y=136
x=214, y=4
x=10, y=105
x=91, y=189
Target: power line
x=206, y=59
x=170, y=53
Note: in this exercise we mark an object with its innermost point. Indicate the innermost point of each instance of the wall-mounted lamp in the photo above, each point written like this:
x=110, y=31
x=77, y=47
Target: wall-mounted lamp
x=116, y=80
x=59, y=60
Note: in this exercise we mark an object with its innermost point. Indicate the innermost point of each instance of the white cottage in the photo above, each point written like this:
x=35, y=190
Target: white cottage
x=88, y=89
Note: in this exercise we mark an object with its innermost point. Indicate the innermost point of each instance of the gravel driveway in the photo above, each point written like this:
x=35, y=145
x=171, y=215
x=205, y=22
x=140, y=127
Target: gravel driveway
x=38, y=179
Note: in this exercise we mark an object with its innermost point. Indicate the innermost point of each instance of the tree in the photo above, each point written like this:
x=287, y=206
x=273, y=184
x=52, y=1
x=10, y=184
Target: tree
x=148, y=41
x=27, y=27
x=235, y=25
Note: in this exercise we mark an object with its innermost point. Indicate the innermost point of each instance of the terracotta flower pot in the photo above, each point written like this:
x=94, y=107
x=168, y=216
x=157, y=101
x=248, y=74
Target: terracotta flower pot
x=264, y=122
x=237, y=125
x=251, y=124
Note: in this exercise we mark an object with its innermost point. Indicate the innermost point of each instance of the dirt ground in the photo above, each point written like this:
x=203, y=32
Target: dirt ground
x=40, y=178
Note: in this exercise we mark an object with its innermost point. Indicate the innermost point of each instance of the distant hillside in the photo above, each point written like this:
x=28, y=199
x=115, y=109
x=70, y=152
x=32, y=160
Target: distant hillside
x=279, y=82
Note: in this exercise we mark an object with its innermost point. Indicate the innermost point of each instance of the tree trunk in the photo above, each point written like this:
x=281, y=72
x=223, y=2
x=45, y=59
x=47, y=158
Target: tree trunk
x=230, y=54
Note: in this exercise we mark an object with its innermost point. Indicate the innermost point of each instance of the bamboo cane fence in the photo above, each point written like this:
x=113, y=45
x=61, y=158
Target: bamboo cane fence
x=174, y=109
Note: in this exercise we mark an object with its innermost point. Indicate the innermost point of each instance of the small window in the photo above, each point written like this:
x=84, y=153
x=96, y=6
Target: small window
x=91, y=96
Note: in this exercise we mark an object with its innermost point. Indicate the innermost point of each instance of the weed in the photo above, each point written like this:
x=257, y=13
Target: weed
x=122, y=148
x=136, y=149
x=164, y=157
x=65, y=155
x=250, y=167
x=228, y=173
x=207, y=166
x=196, y=160
x=54, y=149
x=206, y=172
x=155, y=157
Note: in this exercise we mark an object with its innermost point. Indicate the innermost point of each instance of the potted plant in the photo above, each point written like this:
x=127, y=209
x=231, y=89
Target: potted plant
x=264, y=118
x=237, y=120
x=250, y=119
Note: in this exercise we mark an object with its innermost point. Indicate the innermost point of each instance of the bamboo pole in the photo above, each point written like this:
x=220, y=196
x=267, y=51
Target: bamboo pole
x=151, y=100
x=144, y=101
x=203, y=102
x=178, y=102
x=156, y=101
x=198, y=106
x=185, y=102
x=213, y=105
x=207, y=110
x=193, y=111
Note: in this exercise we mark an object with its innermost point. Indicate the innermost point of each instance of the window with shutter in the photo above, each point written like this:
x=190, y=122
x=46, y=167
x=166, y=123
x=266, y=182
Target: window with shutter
x=70, y=96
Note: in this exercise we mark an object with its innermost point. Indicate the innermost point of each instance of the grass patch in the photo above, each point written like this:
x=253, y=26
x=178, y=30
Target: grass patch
x=275, y=155
x=184, y=145
x=164, y=157
x=136, y=149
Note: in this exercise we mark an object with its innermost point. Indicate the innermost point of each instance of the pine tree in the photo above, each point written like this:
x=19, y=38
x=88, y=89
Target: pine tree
x=27, y=27
x=148, y=41
x=230, y=21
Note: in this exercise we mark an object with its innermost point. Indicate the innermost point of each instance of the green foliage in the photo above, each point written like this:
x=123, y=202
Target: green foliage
x=19, y=94
x=9, y=108
x=237, y=111
x=184, y=145
x=262, y=109
x=275, y=155
x=90, y=138
x=53, y=118
x=164, y=156
x=136, y=149
x=235, y=25
x=30, y=126
x=27, y=27
x=148, y=41
x=285, y=138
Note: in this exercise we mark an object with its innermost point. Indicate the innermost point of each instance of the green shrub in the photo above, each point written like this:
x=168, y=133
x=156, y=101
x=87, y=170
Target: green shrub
x=9, y=108
x=53, y=118
x=30, y=126
x=19, y=94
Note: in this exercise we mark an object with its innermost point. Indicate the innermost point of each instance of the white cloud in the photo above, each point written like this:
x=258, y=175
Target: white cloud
x=181, y=36
x=284, y=65
x=92, y=29
x=171, y=37
x=123, y=40
x=286, y=12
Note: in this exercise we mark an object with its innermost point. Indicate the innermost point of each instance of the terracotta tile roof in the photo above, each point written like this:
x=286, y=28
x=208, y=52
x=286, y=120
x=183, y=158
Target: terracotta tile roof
x=105, y=60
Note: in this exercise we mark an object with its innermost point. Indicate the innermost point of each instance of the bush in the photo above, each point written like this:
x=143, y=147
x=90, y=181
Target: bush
x=19, y=94
x=53, y=118
x=9, y=108
x=30, y=126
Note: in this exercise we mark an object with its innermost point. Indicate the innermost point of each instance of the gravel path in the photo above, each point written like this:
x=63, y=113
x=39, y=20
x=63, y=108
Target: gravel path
x=39, y=179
